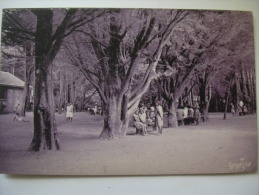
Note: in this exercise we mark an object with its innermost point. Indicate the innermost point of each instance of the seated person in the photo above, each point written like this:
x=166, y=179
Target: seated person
x=19, y=118
x=139, y=125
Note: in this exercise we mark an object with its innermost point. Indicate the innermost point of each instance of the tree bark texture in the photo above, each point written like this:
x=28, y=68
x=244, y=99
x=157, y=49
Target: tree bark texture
x=61, y=92
x=205, y=97
x=238, y=92
x=47, y=46
x=45, y=129
x=118, y=66
x=27, y=78
x=172, y=116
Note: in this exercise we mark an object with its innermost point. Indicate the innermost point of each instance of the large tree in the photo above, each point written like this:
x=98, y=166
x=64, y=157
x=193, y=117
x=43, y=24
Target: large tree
x=50, y=29
x=125, y=47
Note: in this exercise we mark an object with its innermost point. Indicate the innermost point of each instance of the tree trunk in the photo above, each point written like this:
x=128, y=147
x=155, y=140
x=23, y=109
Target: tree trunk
x=112, y=119
x=116, y=117
x=25, y=97
x=244, y=84
x=45, y=128
x=251, y=87
x=205, y=97
x=27, y=76
x=237, y=93
x=226, y=105
x=61, y=91
x=172, y=116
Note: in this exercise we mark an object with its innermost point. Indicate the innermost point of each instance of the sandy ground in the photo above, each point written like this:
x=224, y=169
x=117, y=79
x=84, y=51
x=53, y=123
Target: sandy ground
x=218, y=146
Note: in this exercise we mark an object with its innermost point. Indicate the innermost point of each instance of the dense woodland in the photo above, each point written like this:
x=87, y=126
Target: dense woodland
x=118, y=58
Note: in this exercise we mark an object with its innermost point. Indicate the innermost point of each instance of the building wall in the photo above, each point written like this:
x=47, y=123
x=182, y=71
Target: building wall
x=14, y=95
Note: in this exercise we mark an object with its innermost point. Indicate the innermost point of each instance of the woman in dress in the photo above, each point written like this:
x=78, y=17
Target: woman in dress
x=69, y=113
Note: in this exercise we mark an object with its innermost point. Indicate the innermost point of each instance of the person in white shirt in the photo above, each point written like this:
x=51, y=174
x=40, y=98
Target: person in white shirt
x=69, y=113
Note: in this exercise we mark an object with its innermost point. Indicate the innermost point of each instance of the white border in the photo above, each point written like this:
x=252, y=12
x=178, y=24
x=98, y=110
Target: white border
x=213, y=184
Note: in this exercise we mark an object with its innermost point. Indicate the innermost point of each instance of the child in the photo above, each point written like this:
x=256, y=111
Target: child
x=69, y=113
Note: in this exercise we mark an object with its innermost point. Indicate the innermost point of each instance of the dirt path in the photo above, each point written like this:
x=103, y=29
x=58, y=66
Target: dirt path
x=219, y=146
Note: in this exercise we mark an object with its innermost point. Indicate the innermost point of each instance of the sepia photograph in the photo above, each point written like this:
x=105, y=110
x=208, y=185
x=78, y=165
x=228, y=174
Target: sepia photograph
x=123, y=91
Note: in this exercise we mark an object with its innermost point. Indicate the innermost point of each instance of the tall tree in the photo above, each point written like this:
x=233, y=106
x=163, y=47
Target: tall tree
x=126, y=46
x=51, y=27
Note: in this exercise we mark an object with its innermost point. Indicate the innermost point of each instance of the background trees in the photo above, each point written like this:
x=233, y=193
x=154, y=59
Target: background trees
x=113, y=55
x=125, y=47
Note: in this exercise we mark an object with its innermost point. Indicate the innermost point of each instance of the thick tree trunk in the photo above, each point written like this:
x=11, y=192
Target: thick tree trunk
x=172, y=116
x=112, y=119
x=116, y=118
x=45, y=128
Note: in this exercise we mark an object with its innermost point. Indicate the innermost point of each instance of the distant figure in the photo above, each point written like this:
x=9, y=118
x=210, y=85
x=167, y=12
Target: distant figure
x=142, y=115
x=151, y=117
x=240, y=108
x=69, y=113
x=232, y=109
x=20, y=119
x=190, y=115
x=94, y=110
x=196, y=115
x=241, y=103
x=17, y=109
x=179, y=115
x=245, y=110
x=141, y=128
x=159, y=118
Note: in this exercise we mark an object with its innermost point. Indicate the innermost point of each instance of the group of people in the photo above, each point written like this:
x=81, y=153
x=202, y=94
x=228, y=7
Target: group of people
x=19, y=118
x=187, y=115
x=145, y=117
x=95, y=110
x=242, y=109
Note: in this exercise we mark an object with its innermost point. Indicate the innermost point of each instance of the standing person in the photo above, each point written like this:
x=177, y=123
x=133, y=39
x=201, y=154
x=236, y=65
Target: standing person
x=69, y=113
x=196, y=115
x=190, y=115
x=151, y=117
x=159, y=118
x=241, y=104
x=232, y=109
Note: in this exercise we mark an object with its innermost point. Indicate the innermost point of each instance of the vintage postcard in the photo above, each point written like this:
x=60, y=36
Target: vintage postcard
x=127, y=92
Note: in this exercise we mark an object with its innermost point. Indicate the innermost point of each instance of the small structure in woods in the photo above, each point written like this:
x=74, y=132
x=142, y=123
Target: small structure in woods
x=11, y=91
